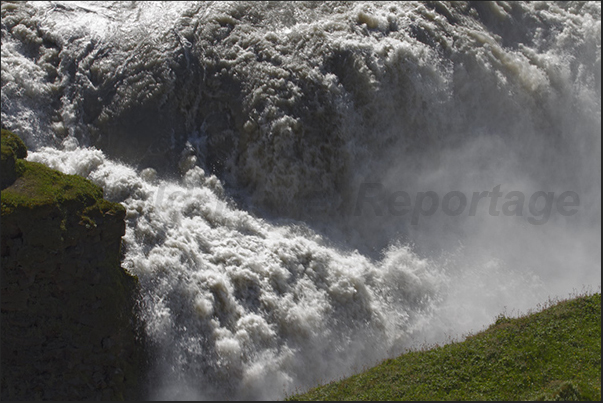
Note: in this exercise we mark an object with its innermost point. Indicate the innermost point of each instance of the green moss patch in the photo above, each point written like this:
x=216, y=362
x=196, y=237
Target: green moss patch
x=11, y=143
x=554, y=354
x=38, y=185
x=35, y=185
x=12, y=150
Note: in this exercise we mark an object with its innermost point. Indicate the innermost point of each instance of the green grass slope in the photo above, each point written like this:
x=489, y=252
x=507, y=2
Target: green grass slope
x=554, y=354
x=29, y=185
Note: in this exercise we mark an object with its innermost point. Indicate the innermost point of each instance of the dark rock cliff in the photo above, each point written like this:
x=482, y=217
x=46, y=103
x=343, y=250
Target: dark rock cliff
x=68, y=324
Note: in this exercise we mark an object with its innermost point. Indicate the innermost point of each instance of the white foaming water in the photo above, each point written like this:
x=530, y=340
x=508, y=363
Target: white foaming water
x=236, y=307
x=237, y=135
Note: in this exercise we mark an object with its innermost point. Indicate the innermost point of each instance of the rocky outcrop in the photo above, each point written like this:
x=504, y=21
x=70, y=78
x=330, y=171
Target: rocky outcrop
x=12, y=150
x=69, y=329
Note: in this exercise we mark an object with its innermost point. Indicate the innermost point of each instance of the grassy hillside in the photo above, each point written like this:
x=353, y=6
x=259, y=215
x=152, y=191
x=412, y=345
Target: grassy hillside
x=554, y=354
x=30, y=185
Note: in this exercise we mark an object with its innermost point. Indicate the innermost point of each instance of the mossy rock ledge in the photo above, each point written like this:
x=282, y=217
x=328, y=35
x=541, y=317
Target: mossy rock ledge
x=69, y=329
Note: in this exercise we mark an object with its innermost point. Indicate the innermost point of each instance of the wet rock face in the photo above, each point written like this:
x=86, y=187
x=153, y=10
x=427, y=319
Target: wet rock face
x=69, y=330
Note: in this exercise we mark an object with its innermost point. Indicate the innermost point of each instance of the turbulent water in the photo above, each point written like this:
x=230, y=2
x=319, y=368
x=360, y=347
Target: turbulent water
x=261, y=149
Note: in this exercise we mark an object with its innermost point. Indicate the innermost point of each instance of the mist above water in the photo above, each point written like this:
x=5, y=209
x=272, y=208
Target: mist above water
x=239, y=137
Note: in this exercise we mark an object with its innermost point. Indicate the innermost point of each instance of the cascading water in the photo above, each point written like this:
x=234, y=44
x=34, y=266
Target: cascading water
x=260, y=149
